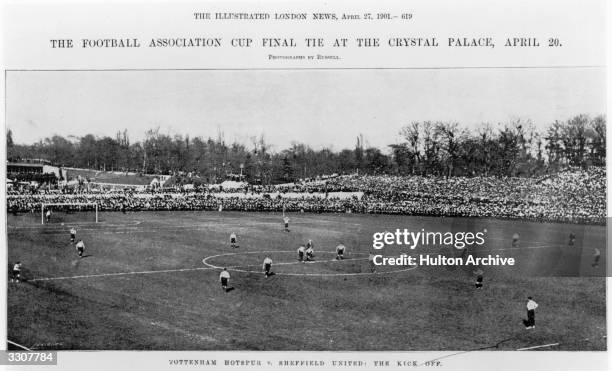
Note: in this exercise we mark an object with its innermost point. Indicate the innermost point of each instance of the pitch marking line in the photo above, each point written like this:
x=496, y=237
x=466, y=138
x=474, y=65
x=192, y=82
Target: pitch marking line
x=189, y=334
x=18, y=345
x=205, y=262
x=508, y=239
x=539, y=346
x=119, y=274
x=56, y=226
x=524, y=247
x=555, y=344
x=235, y=268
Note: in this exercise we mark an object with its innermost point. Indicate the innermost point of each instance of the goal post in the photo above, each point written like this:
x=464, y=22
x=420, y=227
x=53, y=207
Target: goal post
x=60, y=204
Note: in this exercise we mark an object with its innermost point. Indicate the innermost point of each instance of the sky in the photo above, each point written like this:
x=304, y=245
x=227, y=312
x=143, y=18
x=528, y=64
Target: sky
x=322, y=108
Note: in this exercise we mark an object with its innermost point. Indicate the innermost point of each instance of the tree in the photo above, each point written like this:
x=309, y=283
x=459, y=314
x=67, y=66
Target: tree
x=59, y=150
x=486, y=148
x=10, y=145
x=403, y=158
x=597, y=144
x=451, y=135
x=554, y=144
x=287, y=170
x=574, y=137
x=375, y=161
x=409, y=152
x=425, y=148
x=431, y=149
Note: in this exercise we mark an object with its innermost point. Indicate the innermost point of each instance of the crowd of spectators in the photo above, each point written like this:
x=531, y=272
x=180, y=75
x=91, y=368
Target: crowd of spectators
x=574, y=196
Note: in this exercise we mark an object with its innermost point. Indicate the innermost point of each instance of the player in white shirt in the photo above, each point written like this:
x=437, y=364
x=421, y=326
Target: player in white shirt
x=340, y=252
x=48, y=215
x=224, y=279
x=233, y=240
x=72, y=234
x=286, y=221
x=531, y=307
x=300, y=252
x=267, y=266
x=80, y=247
x=16, y=272
x=309, y=253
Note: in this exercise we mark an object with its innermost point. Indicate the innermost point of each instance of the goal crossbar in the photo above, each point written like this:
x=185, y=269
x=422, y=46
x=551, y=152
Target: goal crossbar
x=42, y=208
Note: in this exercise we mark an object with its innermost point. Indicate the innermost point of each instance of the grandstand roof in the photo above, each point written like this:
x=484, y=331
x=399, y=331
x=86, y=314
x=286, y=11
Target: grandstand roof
x=25, y=164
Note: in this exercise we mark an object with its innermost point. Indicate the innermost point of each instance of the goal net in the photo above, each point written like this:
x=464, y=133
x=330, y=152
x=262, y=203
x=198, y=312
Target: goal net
x=68, y=212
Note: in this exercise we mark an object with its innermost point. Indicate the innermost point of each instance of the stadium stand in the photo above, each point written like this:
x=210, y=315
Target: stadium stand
x=571, y=196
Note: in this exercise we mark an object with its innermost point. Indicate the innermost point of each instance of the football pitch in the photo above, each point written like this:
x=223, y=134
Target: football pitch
x=150, y=281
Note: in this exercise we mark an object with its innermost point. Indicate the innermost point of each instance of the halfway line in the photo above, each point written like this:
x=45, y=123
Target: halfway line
x=120, y=274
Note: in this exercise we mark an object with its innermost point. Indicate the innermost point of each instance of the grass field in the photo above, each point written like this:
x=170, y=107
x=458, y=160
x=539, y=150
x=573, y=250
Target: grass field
x=110, y=177
x=143, y=285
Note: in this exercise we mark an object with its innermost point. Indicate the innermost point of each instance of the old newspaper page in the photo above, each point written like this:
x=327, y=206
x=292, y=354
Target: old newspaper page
x=304, y=185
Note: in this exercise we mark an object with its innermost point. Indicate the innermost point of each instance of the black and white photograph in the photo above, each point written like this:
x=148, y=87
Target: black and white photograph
x=389, y=189
x=254, y=210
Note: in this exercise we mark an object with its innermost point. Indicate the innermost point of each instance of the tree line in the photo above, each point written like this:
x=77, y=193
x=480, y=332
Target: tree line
x=423, y=148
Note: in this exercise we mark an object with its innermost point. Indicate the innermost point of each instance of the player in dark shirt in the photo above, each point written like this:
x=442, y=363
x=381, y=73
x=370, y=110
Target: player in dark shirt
x=479, y=278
